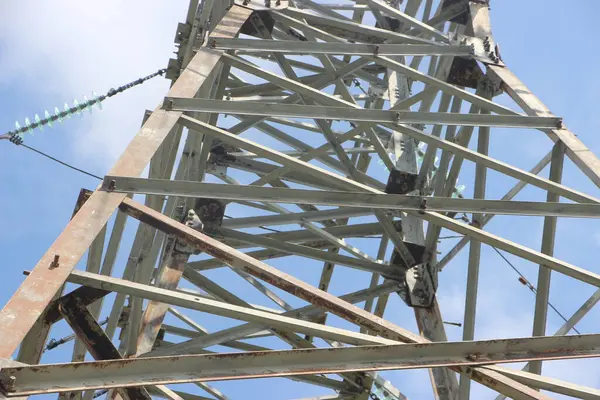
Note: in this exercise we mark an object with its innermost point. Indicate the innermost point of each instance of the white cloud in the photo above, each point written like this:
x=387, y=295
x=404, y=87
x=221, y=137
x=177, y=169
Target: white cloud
x=65, y=49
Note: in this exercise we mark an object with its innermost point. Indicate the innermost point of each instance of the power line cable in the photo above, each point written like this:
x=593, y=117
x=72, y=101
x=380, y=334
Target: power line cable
x=522, y=277
x=16, y=135
x=60, y=162
x=526, y=282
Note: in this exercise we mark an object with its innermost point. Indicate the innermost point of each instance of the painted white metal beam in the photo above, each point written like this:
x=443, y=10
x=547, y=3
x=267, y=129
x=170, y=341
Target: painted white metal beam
x=357, y=114
x=325, y=300
x=350, y=30
x=311, y=312
x=221, y=308
x=346, y=199
x=576, y=150
x=516, y=189
x=284, y=219
x=550, y=384
x=290, y=47
x=517, y=173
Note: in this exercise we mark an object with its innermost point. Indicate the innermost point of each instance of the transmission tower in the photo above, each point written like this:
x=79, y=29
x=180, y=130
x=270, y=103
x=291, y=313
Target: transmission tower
x=301, y=171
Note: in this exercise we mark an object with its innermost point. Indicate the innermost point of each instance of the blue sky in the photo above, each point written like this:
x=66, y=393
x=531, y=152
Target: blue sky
x=78, y=48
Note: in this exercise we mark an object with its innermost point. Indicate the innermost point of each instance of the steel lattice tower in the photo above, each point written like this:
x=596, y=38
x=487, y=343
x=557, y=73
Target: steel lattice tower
x=299, y=134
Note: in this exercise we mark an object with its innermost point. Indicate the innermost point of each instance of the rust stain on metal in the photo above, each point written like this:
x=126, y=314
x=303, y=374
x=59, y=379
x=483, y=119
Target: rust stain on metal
x=277, y=278
x=165, y=224
x=84, y=195
x=41, y=286
x=86, y=295
x=87, y=329
x=320, y=300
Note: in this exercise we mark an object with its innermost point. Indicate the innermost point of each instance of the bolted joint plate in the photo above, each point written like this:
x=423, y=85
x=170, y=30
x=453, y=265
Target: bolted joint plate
x=465, y=72
x=220, y=150
x=206, y=216
x=463, y=17
x=401, y=182
x=211, y=213
x=260, y=24
x=218, y=154
x=173, y=68
x=183, y=33
x=7, y=381
x=418, y=284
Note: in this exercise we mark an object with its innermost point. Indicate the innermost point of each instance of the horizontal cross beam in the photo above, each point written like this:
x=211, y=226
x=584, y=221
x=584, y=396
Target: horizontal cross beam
x=355, y=49
x=284, y=219
x=194, y=302
x=41, y=379
x=347, y=199
x=358, y=114
x=325, y=300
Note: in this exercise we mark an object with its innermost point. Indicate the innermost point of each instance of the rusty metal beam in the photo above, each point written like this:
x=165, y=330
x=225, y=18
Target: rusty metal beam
x=262, y=271
x=195, y=302
x=239, y=260
x=302, y=23
x=32, y=347
x=87, y=329
x=54, y=378
x=171, y=269
x=84, y=295
x=44, y=282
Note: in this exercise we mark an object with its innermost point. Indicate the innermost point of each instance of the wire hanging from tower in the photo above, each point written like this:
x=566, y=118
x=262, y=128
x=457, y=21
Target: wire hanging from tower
x=16, y=136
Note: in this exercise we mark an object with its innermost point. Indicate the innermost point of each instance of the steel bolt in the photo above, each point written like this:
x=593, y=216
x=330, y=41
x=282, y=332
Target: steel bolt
x=55, y=263
x=10, y=383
